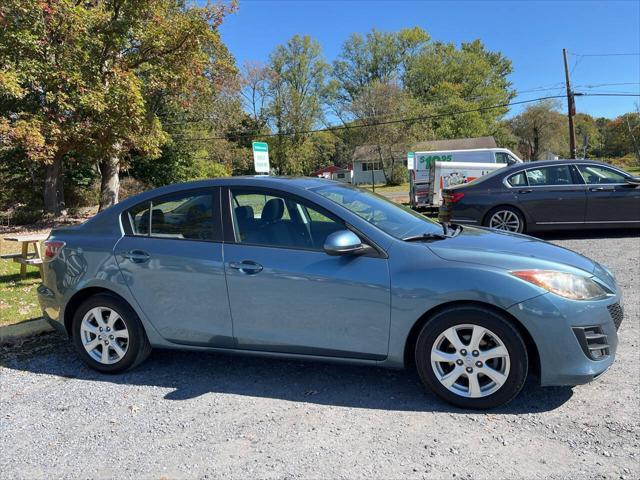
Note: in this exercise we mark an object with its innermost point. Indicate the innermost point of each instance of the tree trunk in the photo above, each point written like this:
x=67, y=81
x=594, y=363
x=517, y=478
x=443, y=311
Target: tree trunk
x=53, y=191
x=110, y=182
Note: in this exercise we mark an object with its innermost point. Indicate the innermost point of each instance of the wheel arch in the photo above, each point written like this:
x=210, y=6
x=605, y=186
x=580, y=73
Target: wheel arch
x=410, y=344
x=76, y=300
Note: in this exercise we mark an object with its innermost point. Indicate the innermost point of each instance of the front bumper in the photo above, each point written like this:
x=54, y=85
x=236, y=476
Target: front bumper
x=553, y=323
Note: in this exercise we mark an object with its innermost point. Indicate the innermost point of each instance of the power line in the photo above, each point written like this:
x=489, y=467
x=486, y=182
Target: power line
x=605, y=54
x=390, y=122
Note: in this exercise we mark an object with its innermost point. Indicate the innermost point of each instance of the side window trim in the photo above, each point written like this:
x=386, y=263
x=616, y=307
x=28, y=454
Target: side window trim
x=218, y=229
x=229, y=226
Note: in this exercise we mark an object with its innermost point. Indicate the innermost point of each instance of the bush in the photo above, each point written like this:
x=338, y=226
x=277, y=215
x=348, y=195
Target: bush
x=398, y=175
x=130, y=186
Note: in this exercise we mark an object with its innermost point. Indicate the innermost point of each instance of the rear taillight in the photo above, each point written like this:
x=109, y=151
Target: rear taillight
x=454, y=197
x=52, y=249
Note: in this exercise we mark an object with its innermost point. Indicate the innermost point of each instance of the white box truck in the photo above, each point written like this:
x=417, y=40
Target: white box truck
x=436, y=170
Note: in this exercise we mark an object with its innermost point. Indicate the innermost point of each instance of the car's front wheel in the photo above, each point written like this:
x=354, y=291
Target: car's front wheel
x=108, y=334
x=471, y=357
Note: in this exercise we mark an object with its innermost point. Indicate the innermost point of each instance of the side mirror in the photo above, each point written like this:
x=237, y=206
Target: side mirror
x=342, y=242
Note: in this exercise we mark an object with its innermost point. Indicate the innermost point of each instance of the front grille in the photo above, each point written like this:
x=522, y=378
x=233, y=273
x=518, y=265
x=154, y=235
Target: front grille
x=593, y=342
x=617, y=314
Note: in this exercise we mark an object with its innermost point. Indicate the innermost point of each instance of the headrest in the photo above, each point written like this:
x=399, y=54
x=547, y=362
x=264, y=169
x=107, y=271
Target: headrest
x=273, y=210
x=244, y=212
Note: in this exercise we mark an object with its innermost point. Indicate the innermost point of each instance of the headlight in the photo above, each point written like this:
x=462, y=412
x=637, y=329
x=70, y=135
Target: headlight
x=568, y=285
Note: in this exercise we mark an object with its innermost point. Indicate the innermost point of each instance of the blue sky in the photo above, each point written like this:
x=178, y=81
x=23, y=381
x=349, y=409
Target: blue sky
x=530, y=33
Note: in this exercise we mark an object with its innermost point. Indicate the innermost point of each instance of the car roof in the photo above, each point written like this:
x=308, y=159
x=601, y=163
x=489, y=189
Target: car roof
x=543, y=163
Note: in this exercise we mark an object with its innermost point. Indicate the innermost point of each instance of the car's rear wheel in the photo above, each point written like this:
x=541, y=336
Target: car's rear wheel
x=505, y=218
x=472, y=357
x=108, y=334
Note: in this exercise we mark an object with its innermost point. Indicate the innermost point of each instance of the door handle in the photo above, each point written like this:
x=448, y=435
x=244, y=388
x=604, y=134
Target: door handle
x=137, y=256
x=600, y=189
x=246, y=266
x=525, y=191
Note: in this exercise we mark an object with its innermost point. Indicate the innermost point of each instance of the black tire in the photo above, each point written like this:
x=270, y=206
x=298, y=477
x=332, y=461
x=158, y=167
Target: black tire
x=522, y=227
x=138, y=348
x=482, y=317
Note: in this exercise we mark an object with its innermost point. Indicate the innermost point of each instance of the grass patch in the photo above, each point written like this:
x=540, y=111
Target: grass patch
x=635, y=170
x=404, y=188
x=18, y=299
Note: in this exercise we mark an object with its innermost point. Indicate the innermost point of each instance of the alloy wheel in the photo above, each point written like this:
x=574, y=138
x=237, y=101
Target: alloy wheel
x=505, y=220
x=104, y=335
x=470, y=361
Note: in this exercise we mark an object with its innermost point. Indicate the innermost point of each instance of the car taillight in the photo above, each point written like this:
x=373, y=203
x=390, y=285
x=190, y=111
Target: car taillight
x=52, y=248
x=454, y=197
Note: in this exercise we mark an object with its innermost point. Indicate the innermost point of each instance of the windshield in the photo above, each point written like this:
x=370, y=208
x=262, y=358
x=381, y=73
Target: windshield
x=396, y=220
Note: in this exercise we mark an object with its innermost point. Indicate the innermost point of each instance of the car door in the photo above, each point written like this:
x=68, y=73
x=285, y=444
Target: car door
x=554, y=194
x=287, y=295
x=610, y=199
x=171, y=259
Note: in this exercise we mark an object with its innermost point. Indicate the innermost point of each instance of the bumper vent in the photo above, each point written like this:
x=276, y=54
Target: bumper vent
x=617, y=314
x=593, y=342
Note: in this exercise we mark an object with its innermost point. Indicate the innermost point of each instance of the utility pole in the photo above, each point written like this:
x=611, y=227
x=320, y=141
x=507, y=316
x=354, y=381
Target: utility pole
x=571, y=107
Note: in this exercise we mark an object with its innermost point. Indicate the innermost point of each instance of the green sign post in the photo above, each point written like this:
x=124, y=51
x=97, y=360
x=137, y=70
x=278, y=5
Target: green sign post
x=261, y=157
x=411, y=158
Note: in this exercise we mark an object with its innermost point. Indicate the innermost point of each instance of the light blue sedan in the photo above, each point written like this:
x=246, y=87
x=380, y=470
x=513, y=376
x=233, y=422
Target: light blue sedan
x=312, y=269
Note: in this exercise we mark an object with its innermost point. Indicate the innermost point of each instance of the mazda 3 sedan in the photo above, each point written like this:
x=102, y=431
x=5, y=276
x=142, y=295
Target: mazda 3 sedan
x=547, y=195
x=313, y=269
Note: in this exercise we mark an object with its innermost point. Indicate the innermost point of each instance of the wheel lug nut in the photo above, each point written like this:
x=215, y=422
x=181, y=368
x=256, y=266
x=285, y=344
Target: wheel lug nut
x=100, y=328
x=469, y=370
x=475, y=353
x=111, y=338
x=108, y=329
x=459, y=362
x=463, y=352
x=478, y=364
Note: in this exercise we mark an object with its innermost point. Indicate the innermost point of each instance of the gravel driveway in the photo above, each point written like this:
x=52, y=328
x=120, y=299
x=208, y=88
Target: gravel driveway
x=202, y=415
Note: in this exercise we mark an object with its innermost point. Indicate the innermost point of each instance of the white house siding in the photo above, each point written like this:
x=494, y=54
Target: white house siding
x=364, y=176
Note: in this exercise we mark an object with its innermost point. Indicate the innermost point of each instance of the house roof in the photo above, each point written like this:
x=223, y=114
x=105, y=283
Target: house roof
x=329, y=169
x=367, y=153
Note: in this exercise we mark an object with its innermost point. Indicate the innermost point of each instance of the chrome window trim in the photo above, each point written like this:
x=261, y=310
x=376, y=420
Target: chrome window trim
x=622, y=172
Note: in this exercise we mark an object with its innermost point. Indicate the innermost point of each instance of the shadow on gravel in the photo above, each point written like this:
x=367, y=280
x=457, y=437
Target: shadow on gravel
x=588, y=234
x=191, y=374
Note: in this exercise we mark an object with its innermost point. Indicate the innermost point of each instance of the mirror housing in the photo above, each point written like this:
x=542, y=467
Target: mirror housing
x=342, y=242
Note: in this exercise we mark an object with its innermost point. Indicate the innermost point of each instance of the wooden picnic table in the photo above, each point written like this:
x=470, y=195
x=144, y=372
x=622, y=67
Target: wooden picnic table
x=25, y=257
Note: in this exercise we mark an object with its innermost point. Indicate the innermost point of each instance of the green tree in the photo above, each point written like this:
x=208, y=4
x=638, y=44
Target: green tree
x=449, y=79
x=298, y=80
x=376, y=57
x=90, y=78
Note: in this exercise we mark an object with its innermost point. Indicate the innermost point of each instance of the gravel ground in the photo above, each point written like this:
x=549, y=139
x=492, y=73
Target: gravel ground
x=201, y=415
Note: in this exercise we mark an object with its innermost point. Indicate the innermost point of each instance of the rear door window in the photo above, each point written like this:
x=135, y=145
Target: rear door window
x=189, y=215
x=547, y=176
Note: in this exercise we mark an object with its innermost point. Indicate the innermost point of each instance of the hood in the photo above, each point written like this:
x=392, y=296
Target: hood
x=510, y=251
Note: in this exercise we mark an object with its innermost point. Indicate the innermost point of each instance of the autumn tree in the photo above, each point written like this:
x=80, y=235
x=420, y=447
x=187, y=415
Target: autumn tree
x=541, y=128
x=90, y=78
x=375, y=110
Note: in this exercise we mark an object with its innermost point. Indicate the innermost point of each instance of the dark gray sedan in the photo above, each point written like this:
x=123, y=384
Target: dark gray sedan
x=547, y=195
